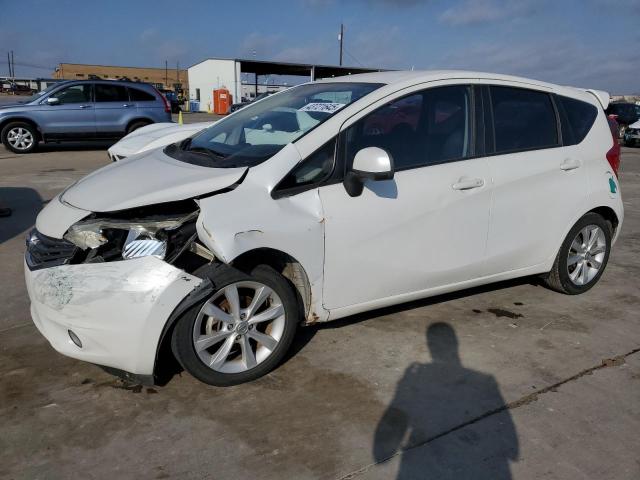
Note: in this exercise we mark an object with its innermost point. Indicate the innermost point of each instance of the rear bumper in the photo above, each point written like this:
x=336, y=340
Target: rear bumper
x=117, y=309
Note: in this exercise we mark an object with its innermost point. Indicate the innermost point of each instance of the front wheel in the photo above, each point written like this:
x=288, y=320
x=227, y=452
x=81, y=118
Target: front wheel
x=583, y=256
x=20, y=137
x=242, y=331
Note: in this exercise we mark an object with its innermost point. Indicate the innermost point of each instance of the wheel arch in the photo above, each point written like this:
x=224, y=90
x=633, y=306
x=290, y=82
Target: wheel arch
x=609, y=215
x=30, y=121
x=147, y=120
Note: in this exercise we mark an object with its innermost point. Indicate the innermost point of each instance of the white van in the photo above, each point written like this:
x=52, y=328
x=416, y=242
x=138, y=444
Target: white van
x=322, y=201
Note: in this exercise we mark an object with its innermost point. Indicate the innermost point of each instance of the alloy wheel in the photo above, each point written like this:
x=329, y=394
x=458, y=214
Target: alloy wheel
x=586, y=255
x=239, y=327
x=20, y=138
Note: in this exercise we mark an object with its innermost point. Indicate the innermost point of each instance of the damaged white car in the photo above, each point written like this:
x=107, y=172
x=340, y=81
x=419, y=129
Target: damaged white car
x=328, y=199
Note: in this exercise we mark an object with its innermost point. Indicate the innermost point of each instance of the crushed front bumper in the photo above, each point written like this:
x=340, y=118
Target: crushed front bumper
x=117, y=310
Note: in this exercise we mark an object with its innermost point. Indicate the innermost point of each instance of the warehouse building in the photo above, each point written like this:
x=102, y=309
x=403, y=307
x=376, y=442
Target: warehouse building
x=248, y=78
x=160, y=77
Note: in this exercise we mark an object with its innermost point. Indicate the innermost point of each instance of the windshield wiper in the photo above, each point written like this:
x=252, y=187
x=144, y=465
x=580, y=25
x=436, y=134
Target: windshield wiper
x=207, y=151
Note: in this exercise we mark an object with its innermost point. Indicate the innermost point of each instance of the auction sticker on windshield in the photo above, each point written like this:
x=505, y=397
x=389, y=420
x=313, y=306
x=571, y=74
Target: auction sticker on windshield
x=322, y=107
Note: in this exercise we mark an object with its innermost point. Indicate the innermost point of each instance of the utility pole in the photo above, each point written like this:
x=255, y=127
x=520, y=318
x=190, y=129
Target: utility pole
x=341, y=38
x=13, y=67
x=177, y=72
x=166, y=74
x=9, y=62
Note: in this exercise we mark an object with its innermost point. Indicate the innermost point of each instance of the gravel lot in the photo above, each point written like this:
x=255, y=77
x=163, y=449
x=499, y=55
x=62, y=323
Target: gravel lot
x=506, y=381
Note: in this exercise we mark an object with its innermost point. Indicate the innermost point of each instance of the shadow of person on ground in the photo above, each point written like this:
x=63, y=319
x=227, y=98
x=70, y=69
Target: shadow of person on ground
x=25, y=204
x=431, y=419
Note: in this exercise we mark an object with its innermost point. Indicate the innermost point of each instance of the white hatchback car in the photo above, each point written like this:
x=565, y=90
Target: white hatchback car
x=325, y=200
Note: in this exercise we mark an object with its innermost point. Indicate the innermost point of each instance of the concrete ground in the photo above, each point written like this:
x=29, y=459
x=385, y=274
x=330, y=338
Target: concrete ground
x=507, y=381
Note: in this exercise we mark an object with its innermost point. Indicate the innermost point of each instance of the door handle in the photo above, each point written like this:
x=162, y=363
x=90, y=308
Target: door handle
x=127, y=105
x=85, y=106
x=465, y=183
x=570, y=164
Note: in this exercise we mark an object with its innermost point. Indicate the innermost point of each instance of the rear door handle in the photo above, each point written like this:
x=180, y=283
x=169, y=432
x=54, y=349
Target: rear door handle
x=127, y=105
x=570, y=164
x=465, y=183
x=85, y=106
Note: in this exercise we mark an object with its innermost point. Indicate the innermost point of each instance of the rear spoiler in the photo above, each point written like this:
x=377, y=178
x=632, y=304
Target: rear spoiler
x=603, y=97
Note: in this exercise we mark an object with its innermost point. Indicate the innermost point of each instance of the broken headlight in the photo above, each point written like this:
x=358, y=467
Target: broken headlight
x=108, y=239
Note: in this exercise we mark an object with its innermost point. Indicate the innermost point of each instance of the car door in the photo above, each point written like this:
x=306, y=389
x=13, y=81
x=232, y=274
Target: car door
x=114, y=110
x=538, y=185
x=147, y=105
x=425, y=228
x=73, y=116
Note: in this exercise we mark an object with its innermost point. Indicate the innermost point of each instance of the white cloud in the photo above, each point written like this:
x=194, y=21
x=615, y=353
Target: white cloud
x=470, y=12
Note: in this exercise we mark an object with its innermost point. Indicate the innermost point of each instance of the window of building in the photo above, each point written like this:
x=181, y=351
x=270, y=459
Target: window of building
x=111, y=93
x=425, y=128
x=523, y=119
x=80, y=75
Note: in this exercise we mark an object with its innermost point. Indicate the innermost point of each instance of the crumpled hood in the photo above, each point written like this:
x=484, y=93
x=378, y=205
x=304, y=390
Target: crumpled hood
x=146, y=179
x=156, y=135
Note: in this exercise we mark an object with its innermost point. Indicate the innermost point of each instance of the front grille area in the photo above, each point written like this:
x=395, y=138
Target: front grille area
x=43, y=251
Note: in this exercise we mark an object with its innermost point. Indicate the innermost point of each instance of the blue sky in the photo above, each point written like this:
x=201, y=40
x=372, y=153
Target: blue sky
x=589, y=43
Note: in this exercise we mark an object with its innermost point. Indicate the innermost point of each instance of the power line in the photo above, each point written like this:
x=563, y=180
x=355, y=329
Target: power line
x=354, y=58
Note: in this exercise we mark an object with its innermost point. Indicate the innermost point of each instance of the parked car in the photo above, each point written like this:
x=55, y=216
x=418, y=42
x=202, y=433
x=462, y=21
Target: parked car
x=81, y=110
x=238, y=106
x=632, y=135
x=625, y=114
x=153, y=136
x=216, y=249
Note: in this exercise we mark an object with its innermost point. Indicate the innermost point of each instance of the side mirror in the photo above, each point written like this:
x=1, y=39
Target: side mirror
x=53, y=101
x=371, y=163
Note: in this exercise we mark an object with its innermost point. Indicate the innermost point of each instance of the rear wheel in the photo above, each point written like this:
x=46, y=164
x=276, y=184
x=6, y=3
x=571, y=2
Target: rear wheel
x=20, y=137
x=136, y=125
x=242, y=331
x=583, y=256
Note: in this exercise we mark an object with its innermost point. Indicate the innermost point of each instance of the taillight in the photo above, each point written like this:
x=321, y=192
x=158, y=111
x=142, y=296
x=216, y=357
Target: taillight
x=613, y=156
x=167, y=107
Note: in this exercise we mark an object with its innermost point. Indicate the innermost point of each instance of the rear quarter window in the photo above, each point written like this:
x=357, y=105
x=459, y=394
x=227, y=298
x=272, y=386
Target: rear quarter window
x=138, y=95
x=577, y=119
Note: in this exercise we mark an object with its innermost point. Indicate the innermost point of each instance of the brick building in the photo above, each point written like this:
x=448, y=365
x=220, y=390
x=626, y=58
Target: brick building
x=157, y=76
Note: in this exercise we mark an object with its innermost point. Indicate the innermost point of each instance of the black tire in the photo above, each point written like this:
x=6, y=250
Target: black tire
x=182, y=339
x=136, y=125
x=558, y=278
x=20, y=125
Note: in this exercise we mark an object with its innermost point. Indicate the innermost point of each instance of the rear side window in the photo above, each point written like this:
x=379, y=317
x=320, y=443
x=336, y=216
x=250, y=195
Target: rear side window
x=138, y=95
x=577, y=119
x=523, y=119
x=111, y=93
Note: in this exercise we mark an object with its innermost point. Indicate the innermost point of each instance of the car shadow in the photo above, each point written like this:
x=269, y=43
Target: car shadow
x=306, y=334
x=74, y=146
x=25, y=204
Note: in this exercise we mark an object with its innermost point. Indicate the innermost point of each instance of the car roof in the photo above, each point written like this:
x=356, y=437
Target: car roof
x=399, y=79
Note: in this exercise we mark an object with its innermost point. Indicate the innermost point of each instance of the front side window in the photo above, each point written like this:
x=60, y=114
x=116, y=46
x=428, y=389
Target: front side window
x=424, y=128
x=260, y=130
x=74, y=94
x=523, y=119
x=111, y=93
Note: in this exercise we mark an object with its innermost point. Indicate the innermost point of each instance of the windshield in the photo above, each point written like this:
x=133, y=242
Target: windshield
x=39, y=95
x=260, y=130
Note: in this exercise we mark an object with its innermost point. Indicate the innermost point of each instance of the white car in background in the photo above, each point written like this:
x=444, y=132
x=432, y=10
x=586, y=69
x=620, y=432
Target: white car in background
x=153, y=136
x=328, y=199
